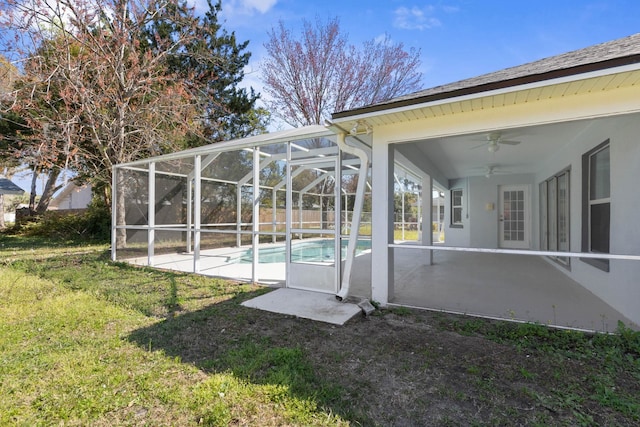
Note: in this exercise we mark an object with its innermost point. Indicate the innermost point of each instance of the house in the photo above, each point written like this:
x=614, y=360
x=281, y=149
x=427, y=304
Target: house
x=71, y=197
x=537, y=164
x=7, y=187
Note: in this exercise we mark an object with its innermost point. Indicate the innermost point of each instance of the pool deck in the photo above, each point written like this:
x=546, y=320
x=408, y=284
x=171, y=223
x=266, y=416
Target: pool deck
x=220, y=262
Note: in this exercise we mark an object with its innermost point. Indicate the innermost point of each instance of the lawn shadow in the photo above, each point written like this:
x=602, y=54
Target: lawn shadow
x=256, y=346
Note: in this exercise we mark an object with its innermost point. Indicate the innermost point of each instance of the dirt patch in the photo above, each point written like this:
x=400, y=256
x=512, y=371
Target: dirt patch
x=409, y=368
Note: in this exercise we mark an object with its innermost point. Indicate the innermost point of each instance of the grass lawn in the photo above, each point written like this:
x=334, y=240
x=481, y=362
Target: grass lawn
x=85, y=341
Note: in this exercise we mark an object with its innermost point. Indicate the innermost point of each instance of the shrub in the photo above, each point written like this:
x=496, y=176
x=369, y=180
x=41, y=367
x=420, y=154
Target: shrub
x=93, y=223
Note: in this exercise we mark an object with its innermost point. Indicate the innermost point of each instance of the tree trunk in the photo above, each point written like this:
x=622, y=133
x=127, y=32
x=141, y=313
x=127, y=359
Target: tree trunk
x=118, y=205
x=49, y=189
x=32, y=195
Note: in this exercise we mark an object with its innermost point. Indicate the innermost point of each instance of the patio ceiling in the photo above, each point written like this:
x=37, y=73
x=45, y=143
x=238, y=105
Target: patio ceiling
x=468, y=155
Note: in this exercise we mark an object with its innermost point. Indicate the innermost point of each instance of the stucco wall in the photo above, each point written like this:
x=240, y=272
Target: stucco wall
x=620, y=287
x=457, y=236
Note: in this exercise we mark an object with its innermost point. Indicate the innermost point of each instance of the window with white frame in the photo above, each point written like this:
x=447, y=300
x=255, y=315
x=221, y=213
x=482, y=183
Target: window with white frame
x=555, y=214
x=596, y=203
x=456, y=207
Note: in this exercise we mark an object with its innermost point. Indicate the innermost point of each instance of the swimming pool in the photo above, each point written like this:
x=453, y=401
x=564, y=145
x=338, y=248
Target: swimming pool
x=311, y=251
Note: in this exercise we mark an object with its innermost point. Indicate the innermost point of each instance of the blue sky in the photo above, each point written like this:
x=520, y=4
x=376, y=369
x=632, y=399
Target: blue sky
x=458, y=38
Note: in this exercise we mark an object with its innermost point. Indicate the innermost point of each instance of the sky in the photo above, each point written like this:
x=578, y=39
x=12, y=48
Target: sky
x=457, y=39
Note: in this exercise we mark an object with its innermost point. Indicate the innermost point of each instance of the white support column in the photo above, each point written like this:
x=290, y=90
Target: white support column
x=114, y=213
x=427, y=209
x=238, y=215
x=189, y=212
x=274, y=213
x=288, y=217
x=346, y=213
x=197, y=192
x=382, y=223
x=190, y=177
x=337, y=222
x=300, y=224
x=151, y=213
x=255, y=232
x=321, y=198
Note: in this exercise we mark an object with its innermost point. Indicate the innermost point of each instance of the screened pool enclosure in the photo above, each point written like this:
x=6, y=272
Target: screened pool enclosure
x=274, y=208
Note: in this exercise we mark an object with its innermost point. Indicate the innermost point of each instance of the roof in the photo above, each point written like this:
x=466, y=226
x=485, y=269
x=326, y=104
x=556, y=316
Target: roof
x=8, y=187
x=602, y=56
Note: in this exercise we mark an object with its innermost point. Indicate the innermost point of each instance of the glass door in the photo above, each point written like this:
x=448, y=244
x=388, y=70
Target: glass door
x=514, y=217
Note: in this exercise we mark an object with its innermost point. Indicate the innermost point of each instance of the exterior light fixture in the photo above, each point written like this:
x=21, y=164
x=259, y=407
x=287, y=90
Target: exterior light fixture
x=361, y=127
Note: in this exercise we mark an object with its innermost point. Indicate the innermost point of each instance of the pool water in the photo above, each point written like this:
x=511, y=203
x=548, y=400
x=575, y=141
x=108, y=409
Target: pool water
x=313, y=251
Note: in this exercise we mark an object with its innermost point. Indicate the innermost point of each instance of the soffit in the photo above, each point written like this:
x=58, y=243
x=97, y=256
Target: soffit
x=501, y=99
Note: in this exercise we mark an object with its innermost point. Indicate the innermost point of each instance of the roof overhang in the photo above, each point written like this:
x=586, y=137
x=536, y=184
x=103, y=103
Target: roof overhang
x=559, y=83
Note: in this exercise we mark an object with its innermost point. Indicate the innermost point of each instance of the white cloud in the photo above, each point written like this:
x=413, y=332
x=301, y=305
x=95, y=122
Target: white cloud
x=248, y=7
x=415, y=18
x=450, y=9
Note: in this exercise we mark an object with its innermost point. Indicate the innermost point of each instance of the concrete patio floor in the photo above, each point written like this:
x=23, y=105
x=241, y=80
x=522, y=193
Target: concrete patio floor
x=516, y=287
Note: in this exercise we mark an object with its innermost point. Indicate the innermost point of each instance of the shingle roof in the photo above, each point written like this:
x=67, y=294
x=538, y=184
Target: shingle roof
x=597, y=57
x=8, y=187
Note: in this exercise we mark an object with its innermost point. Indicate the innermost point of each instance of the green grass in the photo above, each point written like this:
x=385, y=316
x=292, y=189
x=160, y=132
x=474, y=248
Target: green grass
x=86, y=341
x=69, y=353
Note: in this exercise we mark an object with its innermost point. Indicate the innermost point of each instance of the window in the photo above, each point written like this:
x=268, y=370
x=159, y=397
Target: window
x=555, y=214
x=596, y=204
x=456, y=208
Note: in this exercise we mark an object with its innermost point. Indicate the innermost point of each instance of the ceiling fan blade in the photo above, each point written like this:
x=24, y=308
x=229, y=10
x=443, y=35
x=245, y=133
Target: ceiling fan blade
x=505, y=141
x=478, y=146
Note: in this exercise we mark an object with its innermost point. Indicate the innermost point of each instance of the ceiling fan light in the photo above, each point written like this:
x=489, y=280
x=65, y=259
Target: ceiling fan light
x=493, y=147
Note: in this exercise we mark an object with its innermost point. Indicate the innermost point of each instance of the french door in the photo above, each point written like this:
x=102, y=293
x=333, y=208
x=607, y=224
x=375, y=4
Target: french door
x=515, y=213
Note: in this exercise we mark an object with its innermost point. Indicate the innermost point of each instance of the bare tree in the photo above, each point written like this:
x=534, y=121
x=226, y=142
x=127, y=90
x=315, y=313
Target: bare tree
x=320, y=73
x=110, y=81
x=93, y=94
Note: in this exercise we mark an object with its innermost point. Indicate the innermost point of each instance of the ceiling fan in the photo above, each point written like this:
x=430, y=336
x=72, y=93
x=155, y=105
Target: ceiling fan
x=493, y=141
x=490, y=170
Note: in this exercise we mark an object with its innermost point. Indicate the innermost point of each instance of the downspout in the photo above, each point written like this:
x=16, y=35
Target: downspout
x=357, y=212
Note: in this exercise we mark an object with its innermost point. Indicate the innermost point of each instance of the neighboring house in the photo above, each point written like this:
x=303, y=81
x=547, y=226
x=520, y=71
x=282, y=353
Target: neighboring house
x=539, y=164
x=71, y=196
x=10, y=188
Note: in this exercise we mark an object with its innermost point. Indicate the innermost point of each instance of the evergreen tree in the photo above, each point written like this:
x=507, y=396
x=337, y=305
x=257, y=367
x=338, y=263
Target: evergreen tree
x=212, y=63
